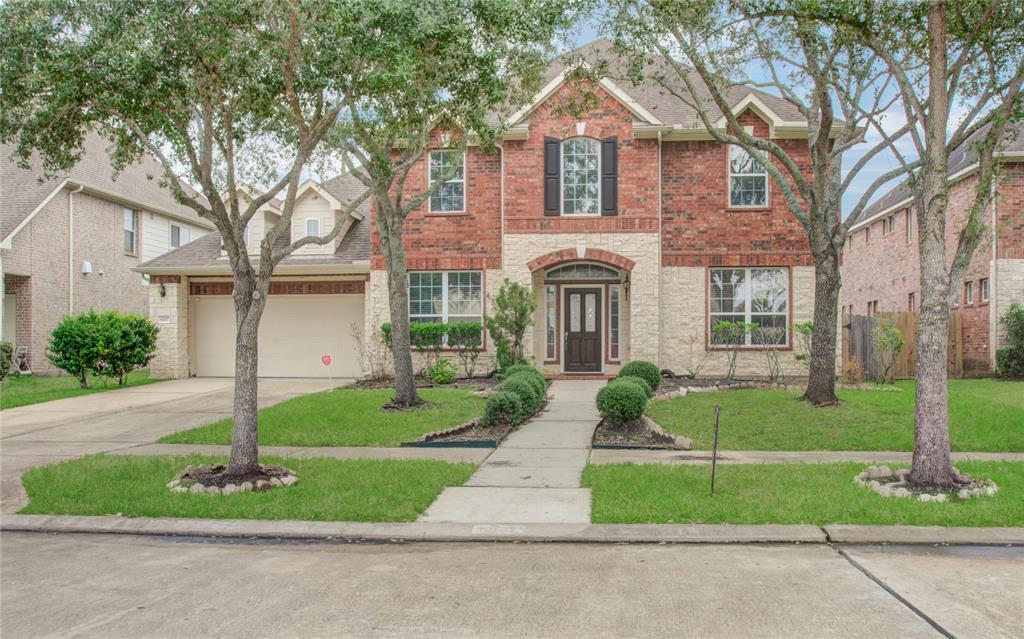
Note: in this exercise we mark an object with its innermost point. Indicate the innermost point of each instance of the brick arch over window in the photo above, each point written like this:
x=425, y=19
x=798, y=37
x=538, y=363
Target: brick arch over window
x=562, y=256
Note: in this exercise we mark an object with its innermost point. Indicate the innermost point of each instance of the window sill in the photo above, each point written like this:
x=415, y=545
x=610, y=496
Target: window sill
x=751, y=349
x=447, y=213
x=746, y=209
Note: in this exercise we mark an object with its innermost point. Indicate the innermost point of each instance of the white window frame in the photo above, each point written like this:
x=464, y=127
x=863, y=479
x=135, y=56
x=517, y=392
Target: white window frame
x=317, y=232
x=731, y=175
x=184, y=235
x=910, y=227
x=551, y=306
x=133, y=215
x=748, y=314
x=561, y=176
x=616, y=354
x=969, y=293
x=445, y=315
x=983, y=285
x=431, y=179
x=912, y=302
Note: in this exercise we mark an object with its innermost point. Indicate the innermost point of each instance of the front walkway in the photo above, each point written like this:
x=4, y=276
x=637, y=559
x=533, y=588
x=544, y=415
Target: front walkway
x=534, y=476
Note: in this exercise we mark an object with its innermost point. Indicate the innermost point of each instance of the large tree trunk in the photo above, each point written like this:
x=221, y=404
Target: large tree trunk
x=244, y=458
x=931, y=465
x=821, y=381
x=398, y=303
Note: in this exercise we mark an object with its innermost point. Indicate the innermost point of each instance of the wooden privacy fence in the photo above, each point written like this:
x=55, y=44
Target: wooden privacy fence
x=859, y=343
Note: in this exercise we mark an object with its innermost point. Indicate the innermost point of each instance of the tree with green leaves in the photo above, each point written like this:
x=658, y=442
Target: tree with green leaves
x=703, y=52
x=256, y=92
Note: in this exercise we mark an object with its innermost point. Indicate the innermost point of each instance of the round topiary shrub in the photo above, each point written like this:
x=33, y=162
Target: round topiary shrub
x=638, y=382
x=502, y=407
x=536, y=381
x=621, y=401
x=517, y=369
x=526, y=392
x=643, y=369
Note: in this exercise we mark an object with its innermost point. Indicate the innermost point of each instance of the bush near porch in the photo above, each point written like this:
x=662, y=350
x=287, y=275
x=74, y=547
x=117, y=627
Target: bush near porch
x=327, y=490
x=985, y=415
x=346, y=417
x=818, y=494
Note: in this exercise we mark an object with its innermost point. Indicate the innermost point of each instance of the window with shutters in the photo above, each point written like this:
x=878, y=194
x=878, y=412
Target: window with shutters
x=581, y=177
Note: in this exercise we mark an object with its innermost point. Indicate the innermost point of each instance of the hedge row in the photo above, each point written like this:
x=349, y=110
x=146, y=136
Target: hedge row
x=518, y=396
x=624, y=399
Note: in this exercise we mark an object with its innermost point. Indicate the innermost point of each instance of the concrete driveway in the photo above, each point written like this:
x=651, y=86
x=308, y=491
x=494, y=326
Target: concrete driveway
x=41, y=434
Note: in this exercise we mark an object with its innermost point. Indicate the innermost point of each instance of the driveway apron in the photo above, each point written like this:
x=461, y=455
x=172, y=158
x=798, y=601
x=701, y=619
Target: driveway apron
x=534, y=475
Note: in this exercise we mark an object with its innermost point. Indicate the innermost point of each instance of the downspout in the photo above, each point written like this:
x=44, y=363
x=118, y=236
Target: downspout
x=993, y=311
x=661, y=314
x=71, y=248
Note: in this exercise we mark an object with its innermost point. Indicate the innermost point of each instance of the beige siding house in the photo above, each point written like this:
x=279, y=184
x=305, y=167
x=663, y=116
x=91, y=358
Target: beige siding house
x=68, y=244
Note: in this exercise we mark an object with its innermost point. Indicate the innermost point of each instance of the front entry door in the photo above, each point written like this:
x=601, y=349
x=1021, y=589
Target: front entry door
x=582, y=326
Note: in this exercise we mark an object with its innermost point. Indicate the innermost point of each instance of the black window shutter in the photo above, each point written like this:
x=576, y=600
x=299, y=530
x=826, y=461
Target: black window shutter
x=552, y=175
x=609, y=176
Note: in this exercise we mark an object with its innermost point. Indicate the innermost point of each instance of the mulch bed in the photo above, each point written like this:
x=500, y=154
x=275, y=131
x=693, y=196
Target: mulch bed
x=675, y=383
x=643, y=433
x=470, y=433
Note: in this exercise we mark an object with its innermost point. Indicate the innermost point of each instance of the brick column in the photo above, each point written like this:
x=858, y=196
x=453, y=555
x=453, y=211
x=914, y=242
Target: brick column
x=168, y=308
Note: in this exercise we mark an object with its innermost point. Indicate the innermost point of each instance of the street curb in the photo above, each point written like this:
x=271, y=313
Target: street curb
x=929, y=535
x=416, y=531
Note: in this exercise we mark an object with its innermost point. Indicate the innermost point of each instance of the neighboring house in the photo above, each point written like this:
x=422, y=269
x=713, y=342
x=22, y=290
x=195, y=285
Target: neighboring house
x=68, y=244
x=634, y=230
x=881, y=263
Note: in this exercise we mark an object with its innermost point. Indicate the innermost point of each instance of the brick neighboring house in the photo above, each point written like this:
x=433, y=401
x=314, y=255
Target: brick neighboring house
x=69, y=243
x=881, y=263
x=634, y=230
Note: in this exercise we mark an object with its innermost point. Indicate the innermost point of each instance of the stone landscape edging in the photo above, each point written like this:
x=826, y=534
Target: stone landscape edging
x=566, y=533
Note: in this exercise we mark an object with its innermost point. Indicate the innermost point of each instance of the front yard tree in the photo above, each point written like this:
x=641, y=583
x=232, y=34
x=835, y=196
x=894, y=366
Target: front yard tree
x=429, y=74
x=835, y=83
x=221, y=93
x=959, y=69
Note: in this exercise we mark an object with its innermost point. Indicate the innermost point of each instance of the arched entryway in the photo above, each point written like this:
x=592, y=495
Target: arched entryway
x=583, y=308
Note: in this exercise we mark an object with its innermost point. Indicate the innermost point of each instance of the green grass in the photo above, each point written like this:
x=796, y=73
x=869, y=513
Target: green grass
x=984, y=415
x=346, y=417
x=22, y=390
x=328, y=489
x=818, y=494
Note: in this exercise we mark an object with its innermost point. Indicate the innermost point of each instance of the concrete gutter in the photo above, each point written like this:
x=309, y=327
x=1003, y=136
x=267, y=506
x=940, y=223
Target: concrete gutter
x=415, y=531
x=566, y=533
x=942, y=535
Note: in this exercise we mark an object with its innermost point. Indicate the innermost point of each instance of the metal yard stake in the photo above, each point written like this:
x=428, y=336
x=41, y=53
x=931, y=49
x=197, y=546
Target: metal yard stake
x=714, y=452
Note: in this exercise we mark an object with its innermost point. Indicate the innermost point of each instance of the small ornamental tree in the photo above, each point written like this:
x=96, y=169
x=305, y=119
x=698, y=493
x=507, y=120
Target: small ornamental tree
x=888, y=345
x=75, y=345
x=467, y=339
x=1010, y=359
x=127, y=342
x=730, y=336
x=513, y=314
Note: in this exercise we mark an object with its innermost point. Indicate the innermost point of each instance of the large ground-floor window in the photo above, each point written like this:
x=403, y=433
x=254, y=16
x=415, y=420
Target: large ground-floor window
x=756, y=297
x=445, y=296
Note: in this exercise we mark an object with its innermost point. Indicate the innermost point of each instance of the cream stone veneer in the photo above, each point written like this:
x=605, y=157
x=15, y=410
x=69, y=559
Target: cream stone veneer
x=170, y=314
x=684, y=322
x=639, y=330
x=1008, y=278
x=378, y=312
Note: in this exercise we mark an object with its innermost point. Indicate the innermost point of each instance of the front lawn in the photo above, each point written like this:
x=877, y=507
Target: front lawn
x=22, y=390
x=984, y=415
x=819, y=494
x=346, y=417
x=328, y=489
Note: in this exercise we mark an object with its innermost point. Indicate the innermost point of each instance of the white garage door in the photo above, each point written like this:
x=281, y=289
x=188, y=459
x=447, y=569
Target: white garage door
x=295, y=333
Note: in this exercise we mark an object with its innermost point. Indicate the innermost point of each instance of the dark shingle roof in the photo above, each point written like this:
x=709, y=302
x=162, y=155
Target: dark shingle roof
x=960, y=158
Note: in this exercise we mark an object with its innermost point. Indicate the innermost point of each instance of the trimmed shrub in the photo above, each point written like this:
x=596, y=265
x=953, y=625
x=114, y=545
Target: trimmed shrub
x=526, y=391
x=639, y=382
x=441, y=372
x=537, y=381
x=621, y=401
x=6, y=358
x=1010, y=359
x=643, y=369
x=503, y=406
x=519, y=368
x=127, y=342
x=74, y=345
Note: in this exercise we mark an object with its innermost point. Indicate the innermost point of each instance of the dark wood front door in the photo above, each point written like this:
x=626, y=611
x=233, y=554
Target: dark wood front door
x=581, y=323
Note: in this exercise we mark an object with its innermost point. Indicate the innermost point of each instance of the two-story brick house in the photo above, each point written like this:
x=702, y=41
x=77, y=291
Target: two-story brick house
x=68, y=244
x=881, y=263
x=634, y=230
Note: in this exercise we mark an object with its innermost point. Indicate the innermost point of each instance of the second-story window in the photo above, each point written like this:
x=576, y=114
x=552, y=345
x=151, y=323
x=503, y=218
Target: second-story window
x=312, y=227
x=581, y=177
x=451, y=194
x=131, y=220
x=179, y=236
x=748, y=179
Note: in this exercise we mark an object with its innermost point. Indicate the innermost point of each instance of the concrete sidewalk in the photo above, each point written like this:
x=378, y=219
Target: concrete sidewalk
x=533, y=477
x=678, y=457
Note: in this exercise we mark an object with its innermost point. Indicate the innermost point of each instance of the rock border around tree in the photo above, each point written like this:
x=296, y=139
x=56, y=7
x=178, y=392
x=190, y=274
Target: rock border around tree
x=204, y=479
x=889, y=483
